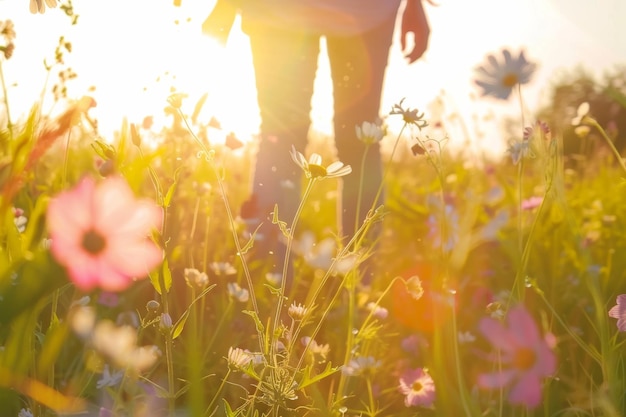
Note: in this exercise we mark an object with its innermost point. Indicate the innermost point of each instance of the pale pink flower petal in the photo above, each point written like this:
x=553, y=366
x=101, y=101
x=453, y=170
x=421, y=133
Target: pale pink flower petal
x=619, y=312
x=496, y=333
x=546, y=359
x=525, y=357
x=68, y=213
x=135, y=260
x=418, y=387
x=496, y=379
x=522, y=326
x=100, y=233
x=88, y=274
x=527, y=391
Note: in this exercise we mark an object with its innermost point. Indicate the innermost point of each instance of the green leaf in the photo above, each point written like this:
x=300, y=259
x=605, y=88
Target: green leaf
x=26, y=282
x=255, y=317
x=104, y=150
x=165, y=273
x=13, y=237
x=229, y=411
x=257, y=322
x=198, y=108
x=281, y=224
x=177, y=329
x=251, y=241
x=35, y=230
x=180, y=323
x=274, y=290
x=171, y=189
x=154, y=280
x=54, y=342
x=308, y=379
x=249, y=370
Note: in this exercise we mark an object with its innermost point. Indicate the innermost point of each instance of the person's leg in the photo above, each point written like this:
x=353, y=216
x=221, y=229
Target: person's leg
x=358, y=68
x=284, y=64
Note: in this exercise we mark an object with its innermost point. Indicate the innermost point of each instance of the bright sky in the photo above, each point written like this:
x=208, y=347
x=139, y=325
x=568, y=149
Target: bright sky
x=133, y=52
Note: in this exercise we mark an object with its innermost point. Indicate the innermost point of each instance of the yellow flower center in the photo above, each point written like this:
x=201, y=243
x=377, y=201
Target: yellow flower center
x=317, y=171
x=417, y=386
x=524, y=359
x=93, y=242
x=510, y=80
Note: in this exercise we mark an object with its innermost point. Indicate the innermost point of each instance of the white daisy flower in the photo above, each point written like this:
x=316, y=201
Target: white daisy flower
x=497, y=78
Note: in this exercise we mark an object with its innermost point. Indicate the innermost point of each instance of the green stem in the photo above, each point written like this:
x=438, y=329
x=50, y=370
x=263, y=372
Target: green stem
x=608, y=141
x=66, y=158
x=169, y=356
x=520, y=220
x=283, y=284
x=219, y=390
x=518, y=288
x=5, y=98
x=370, y=395
x=360, y=195
x=457, y=362
x=357, y=242
x=231, y=222
x=194, y=363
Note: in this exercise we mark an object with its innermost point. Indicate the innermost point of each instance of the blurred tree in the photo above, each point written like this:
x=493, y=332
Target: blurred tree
x=607, y=102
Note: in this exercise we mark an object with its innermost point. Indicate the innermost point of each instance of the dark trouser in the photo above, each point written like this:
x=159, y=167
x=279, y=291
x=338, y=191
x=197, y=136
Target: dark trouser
x=285, y=63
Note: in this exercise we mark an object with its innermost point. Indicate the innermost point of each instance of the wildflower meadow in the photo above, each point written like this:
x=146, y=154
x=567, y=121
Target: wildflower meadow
x=133, y=281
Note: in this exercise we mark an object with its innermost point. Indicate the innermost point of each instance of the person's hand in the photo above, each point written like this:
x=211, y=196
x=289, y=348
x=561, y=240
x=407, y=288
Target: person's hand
x=220, y=21
x=414, y=21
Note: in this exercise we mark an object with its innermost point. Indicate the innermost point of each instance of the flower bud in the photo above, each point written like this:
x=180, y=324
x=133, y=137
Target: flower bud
x=152, y=306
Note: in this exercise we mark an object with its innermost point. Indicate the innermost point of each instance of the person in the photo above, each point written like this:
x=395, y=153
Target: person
x=285, y=43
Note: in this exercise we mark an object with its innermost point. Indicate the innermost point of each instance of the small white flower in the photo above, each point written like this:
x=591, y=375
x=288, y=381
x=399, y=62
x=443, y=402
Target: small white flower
x=370, y=133
x=82, y=320
x=274, y=278
x=315, y=254
x=297, y=311
x=360, y=365
x=120, y=345
x=313, y=168
x=19, y=219
x=466, y=337
x=321, y=255
x=583, y=110
x=498, y=78
x=39, y=6
x=240, y=294
x=238, y=358
x=25, y=412
x=222, y=268
x=414, y=287
x=495, y=310
x=379, y=312
x=195, y=278
x=318, y=352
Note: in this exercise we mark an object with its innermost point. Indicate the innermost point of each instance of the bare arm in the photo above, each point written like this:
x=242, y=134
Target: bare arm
x=414, y=21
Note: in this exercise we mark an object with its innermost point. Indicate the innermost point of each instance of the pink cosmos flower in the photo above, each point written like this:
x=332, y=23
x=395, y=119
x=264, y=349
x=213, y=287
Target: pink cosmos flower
x=532, y=202
x=526, y=357
x=619, y=312
x=100, y=233
x=418, y=388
